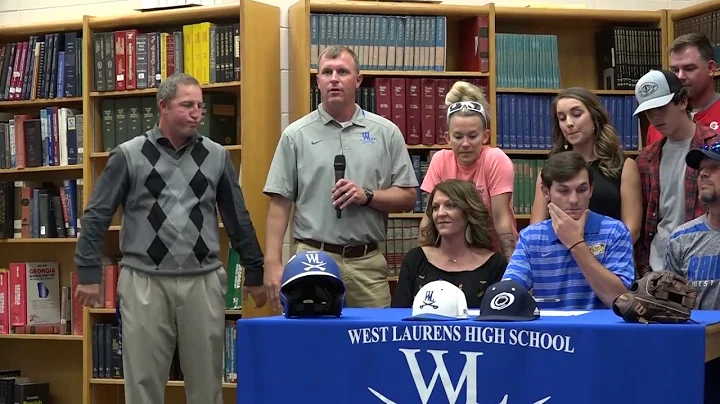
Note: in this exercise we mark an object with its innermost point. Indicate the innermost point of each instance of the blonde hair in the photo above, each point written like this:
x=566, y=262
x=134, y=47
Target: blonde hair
x=464, y=91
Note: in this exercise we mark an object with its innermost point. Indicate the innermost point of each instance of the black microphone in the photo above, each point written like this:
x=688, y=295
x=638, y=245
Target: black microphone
x=339, y=173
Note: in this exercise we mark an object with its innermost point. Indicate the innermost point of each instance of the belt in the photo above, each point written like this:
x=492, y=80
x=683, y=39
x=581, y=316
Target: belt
x=349, y=251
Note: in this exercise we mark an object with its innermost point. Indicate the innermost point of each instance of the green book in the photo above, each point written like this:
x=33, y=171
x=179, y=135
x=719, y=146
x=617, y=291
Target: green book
x=233, y=298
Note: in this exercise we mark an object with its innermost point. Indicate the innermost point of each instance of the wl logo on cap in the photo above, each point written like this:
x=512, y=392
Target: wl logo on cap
x=429, y=301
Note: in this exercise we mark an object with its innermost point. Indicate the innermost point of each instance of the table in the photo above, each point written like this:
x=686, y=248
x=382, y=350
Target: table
x=372, y=356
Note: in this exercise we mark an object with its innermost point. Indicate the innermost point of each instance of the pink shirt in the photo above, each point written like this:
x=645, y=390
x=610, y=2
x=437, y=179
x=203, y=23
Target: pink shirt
x=492, y=174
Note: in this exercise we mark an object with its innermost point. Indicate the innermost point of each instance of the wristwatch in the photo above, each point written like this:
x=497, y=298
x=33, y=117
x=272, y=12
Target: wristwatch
x=369, y=194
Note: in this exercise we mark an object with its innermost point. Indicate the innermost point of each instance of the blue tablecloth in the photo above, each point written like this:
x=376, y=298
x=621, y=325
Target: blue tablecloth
x=372, y=356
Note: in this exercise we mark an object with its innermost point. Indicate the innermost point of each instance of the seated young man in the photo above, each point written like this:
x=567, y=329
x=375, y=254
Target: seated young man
x=693, y=250
x=577, y=259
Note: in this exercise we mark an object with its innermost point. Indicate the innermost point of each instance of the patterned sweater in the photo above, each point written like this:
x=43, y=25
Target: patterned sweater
x=169, y=200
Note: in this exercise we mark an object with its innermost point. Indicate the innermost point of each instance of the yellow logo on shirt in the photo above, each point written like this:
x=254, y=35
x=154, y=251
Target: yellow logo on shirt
x=597, y=249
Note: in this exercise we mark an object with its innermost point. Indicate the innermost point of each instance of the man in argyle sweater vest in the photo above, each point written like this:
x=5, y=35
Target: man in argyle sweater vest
x=172, y=283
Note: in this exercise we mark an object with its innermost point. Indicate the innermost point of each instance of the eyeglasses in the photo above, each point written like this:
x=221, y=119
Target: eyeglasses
x=470, y=105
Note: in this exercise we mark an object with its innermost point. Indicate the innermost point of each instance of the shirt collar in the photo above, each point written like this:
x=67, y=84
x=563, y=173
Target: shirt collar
x=158, y=137
x=592, y=226
x=358, y=117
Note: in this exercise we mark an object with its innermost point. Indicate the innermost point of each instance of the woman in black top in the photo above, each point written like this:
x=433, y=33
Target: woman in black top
x=455, y=246
x=580, y=122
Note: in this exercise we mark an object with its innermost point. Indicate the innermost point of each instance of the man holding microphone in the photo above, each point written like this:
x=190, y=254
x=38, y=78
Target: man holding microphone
x=339, y=157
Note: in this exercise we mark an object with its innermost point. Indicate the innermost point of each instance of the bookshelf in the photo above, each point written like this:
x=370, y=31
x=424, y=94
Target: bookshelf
x=50, y=358
x=258, y=130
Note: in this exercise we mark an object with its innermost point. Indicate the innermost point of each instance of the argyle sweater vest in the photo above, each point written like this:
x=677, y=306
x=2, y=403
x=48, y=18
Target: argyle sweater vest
x=170, y=224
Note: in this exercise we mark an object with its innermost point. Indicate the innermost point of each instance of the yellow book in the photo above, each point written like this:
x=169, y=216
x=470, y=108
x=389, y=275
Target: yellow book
x=163, y=55
x=205, y=53
x=188, y=50
x=197, y=53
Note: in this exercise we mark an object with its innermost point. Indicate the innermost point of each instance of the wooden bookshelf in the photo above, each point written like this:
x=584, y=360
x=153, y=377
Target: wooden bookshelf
x=686, y=19
x=258, y=110
x=54, y=359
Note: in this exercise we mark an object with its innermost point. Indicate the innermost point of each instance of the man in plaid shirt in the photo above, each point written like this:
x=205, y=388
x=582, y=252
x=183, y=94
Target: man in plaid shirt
x=669, y=186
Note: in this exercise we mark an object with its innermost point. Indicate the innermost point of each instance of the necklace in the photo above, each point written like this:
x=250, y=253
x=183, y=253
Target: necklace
x=453, y=260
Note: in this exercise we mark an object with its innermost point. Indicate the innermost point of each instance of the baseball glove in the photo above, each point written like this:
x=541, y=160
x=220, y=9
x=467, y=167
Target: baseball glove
x=658, y=297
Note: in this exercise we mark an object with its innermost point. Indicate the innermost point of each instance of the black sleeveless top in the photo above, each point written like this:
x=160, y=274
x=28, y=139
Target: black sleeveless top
x=605, y=198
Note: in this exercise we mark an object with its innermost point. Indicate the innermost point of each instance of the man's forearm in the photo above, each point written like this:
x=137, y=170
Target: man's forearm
x=394, y=199
x=109, y=192
x=604, y=283
x=276, y=226
x=238, y=225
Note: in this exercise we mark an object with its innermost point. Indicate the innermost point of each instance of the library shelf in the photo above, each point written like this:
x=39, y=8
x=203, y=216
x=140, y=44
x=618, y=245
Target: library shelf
x=103, y=155
x=228, y=86
x=103, y=310
x=419, y=73
x=557, y=90
x=171, y=383
x=44, y=337
x=40, y=102
x=43, y=169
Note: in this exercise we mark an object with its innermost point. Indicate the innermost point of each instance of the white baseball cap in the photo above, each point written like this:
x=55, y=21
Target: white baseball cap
x=656, y=89
x=439, y=300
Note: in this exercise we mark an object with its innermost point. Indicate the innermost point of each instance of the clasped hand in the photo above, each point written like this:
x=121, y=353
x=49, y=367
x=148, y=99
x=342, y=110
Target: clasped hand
x=346, y=192
x=568, y=230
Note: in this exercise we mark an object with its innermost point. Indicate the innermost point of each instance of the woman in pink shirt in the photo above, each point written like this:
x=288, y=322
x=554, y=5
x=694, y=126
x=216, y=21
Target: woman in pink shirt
x=489, y=168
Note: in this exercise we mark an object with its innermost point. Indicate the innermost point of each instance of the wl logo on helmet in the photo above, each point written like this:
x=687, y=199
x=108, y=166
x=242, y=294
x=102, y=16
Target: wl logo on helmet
x=313, y=262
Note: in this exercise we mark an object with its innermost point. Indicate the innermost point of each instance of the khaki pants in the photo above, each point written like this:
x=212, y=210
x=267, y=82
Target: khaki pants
x=365, y=278
x=160, y=311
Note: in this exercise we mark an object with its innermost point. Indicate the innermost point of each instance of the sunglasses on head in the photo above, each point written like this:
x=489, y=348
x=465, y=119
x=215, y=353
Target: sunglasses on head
x=470, y=105
x=715, y=148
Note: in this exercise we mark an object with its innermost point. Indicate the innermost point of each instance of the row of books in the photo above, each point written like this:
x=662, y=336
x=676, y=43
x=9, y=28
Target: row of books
x=132, y=59
x=124, y=118
x=382, y=42
x=107, y=351
x=527, y=61
x=416, y=105
x=16, y=388
x=32, y=301
x=42, y=67
x=524, y=121
x=40, y=209
x=625, y=54
x=53, y=136
x=707, y=23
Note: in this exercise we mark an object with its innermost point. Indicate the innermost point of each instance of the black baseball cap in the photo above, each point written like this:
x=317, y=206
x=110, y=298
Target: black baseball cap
x=507, y=300
x=695, y=156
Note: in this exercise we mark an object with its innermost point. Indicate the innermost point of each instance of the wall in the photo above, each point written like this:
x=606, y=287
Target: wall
x=13, y=12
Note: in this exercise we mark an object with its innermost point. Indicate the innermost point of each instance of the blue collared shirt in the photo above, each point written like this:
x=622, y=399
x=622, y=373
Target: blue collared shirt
x=542, y=263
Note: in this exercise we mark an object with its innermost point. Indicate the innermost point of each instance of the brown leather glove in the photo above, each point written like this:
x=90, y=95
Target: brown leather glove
x=658, y=297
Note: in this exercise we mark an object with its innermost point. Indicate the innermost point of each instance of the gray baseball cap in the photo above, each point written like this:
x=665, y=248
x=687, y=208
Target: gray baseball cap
x=656, y=89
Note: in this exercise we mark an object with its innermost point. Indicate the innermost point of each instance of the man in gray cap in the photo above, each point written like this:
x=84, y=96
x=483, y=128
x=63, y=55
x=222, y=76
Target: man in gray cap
x=669, y=186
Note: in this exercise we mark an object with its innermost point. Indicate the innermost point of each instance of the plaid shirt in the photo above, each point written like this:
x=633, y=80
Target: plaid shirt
x=649, y=164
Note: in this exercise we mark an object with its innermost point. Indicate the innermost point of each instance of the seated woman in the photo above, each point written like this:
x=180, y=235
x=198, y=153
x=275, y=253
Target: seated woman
x=580, y=122
x=455, y=246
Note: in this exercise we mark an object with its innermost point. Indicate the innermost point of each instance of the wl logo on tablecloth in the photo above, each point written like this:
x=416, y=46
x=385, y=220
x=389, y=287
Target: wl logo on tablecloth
x=467, y=380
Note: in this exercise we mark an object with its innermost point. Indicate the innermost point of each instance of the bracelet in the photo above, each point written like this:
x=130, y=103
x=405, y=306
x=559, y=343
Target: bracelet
x=573, y=246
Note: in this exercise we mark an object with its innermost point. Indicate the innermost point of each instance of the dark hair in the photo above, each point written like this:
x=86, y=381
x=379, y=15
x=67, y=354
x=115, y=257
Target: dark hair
x=335, y=51
x=607, y=141
x=684, y=94
x=697, y=40
x=562, y=167
x=466, y=197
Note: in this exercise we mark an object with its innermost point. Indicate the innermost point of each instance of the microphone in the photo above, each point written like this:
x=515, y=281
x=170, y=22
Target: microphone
x=339, y=173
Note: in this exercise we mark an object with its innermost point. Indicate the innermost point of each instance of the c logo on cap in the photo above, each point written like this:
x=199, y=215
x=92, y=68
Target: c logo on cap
x=502, y=301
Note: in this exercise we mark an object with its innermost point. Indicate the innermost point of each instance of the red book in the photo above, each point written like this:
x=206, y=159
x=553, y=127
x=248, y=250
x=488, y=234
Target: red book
x=428, y=111
x=18, y=294
x=398, y=104
x=383, y=98
x=475, y=44
x=120, y=61
x=414, y=113
x=4, y=302
x=130, y=59
x=441, y=89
